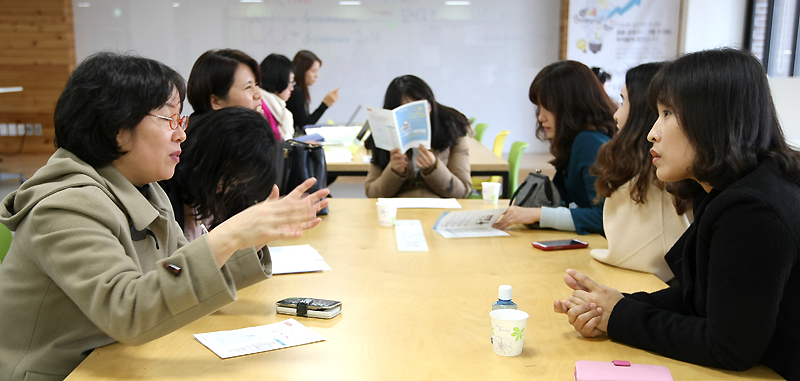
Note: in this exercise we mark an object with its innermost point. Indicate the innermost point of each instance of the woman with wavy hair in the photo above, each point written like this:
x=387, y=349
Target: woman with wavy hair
x=640, y=218
x=735, y=302
x=576, y=115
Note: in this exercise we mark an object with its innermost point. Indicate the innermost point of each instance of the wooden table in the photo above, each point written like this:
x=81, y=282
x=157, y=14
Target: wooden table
x=482, y=161
x=406, y=316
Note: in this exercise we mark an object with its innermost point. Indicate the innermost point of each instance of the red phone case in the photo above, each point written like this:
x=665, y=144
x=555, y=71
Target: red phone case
x=580, y=245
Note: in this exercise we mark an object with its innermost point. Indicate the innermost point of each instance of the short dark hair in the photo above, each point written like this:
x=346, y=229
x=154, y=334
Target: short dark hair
x=227, y=163
x=576, y=98
x=723, y=103
x=447, y=124
x=213, y=74
x=303, y=61
x=275, y=70
x=106, y=93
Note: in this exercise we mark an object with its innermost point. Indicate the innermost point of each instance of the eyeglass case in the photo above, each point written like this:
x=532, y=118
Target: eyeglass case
x=619, y=371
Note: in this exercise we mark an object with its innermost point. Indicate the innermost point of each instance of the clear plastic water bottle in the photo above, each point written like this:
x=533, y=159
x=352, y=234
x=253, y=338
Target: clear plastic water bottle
x=503, y=301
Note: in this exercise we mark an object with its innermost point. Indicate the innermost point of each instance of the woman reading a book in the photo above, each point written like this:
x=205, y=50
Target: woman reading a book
x=576, y=115
x=442, y=171
x=735, y=302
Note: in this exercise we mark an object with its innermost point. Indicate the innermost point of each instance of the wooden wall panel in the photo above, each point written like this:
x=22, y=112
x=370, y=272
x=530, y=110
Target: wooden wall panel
x=37, y=52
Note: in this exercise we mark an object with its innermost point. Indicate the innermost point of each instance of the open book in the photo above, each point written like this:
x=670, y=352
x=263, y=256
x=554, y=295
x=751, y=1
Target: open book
x=405, y=127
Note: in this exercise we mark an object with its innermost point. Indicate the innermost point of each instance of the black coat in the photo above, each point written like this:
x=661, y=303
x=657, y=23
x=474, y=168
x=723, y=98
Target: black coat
x=737, y=301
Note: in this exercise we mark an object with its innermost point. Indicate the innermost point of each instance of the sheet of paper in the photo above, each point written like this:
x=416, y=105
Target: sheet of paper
x=410, y=236
x=420, y=203
x=263, y=338
x=341, y=135
x=469, y=223
x=338, y=154
x=296, y=259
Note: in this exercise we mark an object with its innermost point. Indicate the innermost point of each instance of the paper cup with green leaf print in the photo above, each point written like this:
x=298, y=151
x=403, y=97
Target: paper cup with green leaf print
x=387, y=213
x=491, y=192
x=508, y=328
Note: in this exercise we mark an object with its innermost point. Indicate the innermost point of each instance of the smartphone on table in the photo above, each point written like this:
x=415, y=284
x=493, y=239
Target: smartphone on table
x=562, y=244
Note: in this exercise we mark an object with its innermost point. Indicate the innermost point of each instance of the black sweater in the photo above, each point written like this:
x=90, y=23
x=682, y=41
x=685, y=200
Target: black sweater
x=297, y=105
x=737, y=302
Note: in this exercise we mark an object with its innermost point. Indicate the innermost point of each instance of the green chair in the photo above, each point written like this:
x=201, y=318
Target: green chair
x=5, y=241
x=514, y=160
x=471, y=121
x=480, y=129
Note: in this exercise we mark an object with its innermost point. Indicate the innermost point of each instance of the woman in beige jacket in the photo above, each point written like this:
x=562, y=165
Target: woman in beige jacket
x=641, y=219
x=442, y=171
x=97, y=256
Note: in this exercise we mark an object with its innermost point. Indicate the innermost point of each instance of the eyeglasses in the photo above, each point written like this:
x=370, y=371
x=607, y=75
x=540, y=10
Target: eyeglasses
x=175, y=121
x=293, y=83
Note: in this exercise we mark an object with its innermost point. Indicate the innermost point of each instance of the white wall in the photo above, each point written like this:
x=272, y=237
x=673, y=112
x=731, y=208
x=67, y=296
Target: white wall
x=786, y=95
x=711, y=24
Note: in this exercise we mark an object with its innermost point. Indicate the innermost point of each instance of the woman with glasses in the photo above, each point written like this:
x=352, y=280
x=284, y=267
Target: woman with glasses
x=277, y=83
x=97, y=256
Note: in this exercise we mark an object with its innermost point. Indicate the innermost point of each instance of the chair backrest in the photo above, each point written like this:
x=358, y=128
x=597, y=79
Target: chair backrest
x=5, y=241
x=499, y=140
x=514, y=160
x=471, y=121
x=480, y=129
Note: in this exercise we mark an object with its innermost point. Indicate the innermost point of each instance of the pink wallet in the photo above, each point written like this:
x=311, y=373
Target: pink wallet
x=619, y=371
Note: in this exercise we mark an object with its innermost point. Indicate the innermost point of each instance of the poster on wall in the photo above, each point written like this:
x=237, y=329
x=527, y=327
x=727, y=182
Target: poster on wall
x=616, y=35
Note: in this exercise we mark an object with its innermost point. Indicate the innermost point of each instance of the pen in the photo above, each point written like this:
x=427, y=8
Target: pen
x=203, y=228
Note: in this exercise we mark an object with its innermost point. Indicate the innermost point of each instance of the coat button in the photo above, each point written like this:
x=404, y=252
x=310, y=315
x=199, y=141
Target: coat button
x=174, y=270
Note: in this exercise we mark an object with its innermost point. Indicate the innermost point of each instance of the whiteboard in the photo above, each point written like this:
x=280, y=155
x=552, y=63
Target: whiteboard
x=479, y=58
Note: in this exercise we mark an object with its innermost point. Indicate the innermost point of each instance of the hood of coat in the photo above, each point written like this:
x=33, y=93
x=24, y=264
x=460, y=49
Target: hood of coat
x=65, y=170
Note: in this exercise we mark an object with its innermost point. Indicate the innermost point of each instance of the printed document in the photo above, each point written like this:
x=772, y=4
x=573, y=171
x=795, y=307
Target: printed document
x=296, y=259
x=263, y=338
x=405, y=127
x=469, y=223
x=421, y=203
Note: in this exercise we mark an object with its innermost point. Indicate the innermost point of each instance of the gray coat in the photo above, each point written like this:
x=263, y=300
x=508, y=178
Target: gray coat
x=88, y=267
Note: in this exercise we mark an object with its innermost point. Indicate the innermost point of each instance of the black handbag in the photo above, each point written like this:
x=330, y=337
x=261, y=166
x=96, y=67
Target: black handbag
x=300, y=161
x=536, y=191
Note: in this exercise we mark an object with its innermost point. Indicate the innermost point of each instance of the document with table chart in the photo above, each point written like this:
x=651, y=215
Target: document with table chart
x=469, y=223
x=245, y=341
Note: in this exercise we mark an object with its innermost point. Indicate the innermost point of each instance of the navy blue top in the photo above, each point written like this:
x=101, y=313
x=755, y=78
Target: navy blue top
x=576, y=184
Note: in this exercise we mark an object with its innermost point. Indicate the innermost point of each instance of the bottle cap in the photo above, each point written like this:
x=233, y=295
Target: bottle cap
x=504, y=293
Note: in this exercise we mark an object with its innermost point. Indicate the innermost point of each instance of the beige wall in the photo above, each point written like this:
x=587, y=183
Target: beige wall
x=786, y=95
x=37, y=52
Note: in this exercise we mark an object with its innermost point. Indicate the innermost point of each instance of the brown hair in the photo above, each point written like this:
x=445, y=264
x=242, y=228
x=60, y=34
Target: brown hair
x=627, y=156
x=303, y=61
x=576, y=98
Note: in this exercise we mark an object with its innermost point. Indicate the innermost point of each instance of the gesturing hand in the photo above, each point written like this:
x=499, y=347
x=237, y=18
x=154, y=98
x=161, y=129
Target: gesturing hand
x=272, y=219
x=590, y=305
x=331, y=98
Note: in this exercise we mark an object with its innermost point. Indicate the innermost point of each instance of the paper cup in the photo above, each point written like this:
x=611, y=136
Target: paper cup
x=508, y=331
x=491, y=192
x=386, y=214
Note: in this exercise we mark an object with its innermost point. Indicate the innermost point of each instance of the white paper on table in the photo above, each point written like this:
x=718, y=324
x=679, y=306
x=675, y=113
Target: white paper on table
x=296, y=259
x=338, y=154
x=335, y=135
x=422, y=203
x=263, y=338
x=410, y=236
x=469, y=223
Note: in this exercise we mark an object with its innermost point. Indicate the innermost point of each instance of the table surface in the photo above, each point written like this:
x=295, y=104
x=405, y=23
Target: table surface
x=405, y=316
x=481, y=159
